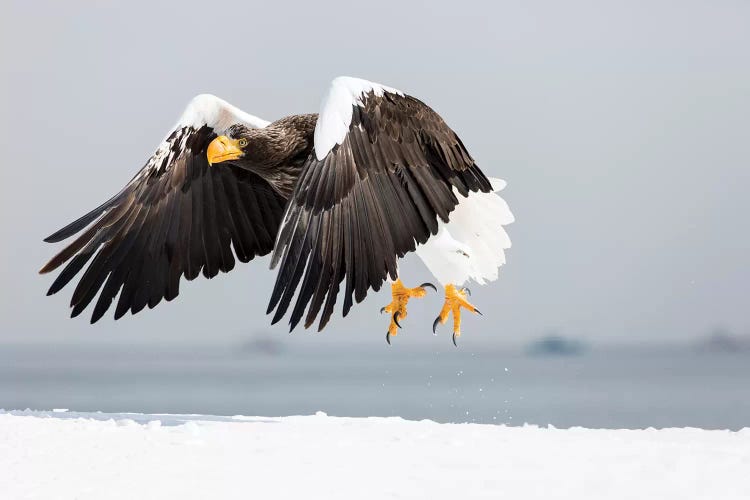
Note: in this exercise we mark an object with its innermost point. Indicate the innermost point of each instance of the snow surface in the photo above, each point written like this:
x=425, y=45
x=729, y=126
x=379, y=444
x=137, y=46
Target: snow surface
x=61, y=454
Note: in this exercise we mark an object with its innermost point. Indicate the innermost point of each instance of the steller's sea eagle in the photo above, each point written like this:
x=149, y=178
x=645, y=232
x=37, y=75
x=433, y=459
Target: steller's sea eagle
x=338, y=197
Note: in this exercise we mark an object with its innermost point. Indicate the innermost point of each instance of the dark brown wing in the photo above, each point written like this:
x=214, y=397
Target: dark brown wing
x=375, y=195
x=177, y=217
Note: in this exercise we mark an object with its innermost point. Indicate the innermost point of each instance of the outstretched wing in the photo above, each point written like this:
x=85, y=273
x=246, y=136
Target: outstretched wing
x=176, y=217
x=382, y=172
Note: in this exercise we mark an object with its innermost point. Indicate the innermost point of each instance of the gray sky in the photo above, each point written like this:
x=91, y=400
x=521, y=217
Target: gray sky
x=622, y=130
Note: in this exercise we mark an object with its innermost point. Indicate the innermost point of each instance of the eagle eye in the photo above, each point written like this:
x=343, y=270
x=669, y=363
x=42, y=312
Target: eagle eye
x=242, y=142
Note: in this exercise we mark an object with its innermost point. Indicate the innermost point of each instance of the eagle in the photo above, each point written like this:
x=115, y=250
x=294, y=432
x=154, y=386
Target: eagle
x=337, y=198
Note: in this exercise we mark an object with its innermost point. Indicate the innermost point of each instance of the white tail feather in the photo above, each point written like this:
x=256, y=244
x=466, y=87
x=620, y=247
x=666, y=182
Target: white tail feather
x=475, y=227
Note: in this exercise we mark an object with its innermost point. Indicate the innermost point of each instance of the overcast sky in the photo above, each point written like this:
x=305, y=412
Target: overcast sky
x=622, y=130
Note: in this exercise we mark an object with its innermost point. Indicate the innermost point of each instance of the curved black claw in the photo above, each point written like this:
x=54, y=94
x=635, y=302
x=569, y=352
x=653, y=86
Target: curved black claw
x=435, y=324
x=478, y=311
x=388, y=337
x=395, y=318
x=467, y=290
x=382, y=310
x=423, y=285
x=454, y=339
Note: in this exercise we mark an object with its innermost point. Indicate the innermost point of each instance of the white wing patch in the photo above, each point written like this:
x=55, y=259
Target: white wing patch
x=207, y=109
x=336, y=110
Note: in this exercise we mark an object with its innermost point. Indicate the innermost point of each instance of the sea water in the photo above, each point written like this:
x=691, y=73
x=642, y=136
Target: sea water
x=605, y=388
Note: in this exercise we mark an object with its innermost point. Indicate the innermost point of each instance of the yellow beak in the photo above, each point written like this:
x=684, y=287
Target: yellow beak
x=223, y=149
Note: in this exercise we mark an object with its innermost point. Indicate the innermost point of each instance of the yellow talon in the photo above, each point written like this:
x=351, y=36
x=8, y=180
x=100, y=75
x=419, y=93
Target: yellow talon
x=455, y=299
x=397, y=307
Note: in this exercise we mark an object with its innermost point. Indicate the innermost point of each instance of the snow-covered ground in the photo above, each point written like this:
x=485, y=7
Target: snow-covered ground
x=64, y=455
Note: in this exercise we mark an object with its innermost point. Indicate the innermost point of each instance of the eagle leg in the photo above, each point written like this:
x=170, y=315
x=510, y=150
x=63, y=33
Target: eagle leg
x=455, y=299
x=397, y=308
